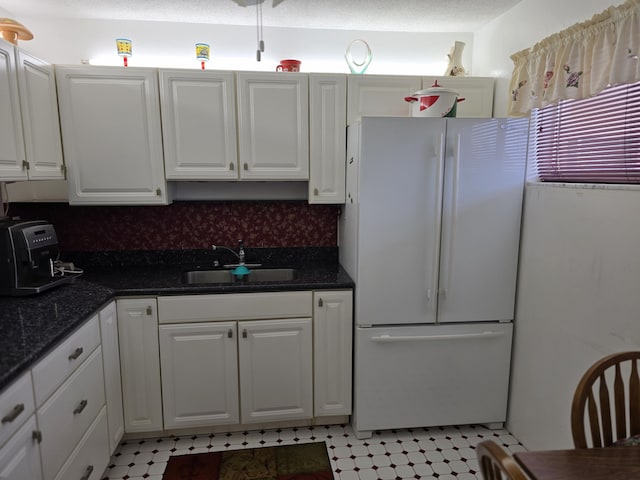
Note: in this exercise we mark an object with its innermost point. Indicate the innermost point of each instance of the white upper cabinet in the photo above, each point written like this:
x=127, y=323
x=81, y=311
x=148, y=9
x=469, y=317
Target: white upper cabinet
x=199, y=124
x=111, y=134
x=273, y=125
x=12, y=155
x=380, y=95
x=327, y=132
x=476, y=91
x=39, y=106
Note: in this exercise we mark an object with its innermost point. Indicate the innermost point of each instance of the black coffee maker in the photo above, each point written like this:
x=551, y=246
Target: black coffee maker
x=28, y=250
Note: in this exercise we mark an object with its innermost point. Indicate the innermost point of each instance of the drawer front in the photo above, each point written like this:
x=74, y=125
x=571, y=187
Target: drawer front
x=66, y=416
x=234, y=306
x=20, y=457
x=16, y=404
x=52, y=370
x=90, y=458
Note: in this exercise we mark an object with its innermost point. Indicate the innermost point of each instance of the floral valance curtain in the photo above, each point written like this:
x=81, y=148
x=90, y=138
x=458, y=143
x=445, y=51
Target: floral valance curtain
x=578, y=62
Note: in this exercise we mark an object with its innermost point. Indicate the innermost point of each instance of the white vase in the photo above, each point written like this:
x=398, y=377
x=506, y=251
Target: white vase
x=455, y=68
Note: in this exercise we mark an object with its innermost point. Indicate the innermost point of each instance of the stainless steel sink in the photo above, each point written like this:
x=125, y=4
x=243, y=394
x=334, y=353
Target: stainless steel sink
x=225, y=276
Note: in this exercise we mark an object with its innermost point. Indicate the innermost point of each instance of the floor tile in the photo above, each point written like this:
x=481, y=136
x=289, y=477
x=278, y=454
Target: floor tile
x=439, y=453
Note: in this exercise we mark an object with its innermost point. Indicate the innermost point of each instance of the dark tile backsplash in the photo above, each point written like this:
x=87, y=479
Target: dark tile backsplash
x=187, y=225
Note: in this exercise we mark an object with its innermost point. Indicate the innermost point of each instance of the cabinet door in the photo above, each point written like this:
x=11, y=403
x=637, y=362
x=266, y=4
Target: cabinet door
x=140, y=365
x=380, y=95
x=199, y=364
x=273, y=126
x=12, y=153
x=276, y=375
x=476, y=91
x=20, y=457
x=112, y=381
x=332, y=333
x=39, y=106
x=327, y=132
x=110, y=119
x=199, y=124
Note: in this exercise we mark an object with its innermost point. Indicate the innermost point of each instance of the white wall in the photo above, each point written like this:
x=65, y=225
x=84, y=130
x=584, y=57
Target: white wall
x=233, y=47
x=577, y=301
x=522, y=27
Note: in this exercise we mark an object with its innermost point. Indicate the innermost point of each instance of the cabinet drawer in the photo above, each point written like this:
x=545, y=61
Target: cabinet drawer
x=16, y=404
x=234, y=306
x=20, y=457
x=91, y=457
x=52, y=370
x=63, y=419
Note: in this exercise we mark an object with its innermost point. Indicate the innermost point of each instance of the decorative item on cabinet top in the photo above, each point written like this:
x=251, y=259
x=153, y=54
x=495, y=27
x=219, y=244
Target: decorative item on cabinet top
x=12, y=31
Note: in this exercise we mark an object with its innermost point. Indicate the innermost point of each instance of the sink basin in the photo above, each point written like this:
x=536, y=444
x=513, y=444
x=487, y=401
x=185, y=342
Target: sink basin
x=225, y=276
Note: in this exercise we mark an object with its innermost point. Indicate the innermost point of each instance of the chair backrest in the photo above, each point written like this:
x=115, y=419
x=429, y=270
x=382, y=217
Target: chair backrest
x=495, y=463
x=607, y=400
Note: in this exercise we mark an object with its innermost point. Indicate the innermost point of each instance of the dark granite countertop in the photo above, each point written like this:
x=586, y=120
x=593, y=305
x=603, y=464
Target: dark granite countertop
x=32, y=326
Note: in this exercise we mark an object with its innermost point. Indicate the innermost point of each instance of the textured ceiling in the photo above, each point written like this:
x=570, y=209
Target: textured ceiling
x=372, y=15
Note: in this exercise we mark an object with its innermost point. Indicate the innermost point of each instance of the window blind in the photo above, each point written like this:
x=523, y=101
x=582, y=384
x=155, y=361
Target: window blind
x=594, y=140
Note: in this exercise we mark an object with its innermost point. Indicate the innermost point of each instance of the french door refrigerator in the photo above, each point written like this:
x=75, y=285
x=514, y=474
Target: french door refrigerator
x=430, y=234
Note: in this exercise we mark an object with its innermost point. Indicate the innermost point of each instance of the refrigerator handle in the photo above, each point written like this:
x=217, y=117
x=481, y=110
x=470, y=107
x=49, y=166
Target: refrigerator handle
x=422, y=338
x=433, y=271
x=450, y=232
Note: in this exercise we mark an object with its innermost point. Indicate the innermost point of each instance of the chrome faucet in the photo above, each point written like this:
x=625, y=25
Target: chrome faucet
x=240, y=255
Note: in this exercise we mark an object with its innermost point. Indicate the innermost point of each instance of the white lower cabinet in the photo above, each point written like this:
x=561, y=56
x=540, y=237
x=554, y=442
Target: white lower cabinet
x=20, y=456
x=88, y=461
x=332, y=346
x=139, y=364
x=276, y=373
x=111, y=365
x=66, y=416
x=233, y=359
x=199, y=364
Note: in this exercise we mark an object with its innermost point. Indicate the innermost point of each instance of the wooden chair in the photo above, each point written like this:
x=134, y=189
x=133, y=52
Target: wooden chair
x=495, y=463
x=602, y=387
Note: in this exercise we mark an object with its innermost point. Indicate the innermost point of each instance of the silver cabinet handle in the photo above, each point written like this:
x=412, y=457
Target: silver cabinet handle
x=149, y=310
x=76, y=353
x=80, y=407
x=246, y=166
x=320, y=302
x=315, y=192
x=87, y=473
x=244, y=333
x=37, y=436
x=158, y=192
x=230, y=333
x=231, y=167
x=13, y=414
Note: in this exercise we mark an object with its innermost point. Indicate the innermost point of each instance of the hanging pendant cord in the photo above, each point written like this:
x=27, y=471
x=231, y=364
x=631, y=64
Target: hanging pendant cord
x=261, y=42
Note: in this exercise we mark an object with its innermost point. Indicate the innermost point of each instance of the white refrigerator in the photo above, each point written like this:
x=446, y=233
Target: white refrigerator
x=430, y=235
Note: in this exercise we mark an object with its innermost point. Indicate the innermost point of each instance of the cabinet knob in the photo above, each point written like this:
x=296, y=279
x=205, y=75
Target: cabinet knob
x=246, y=166
x=315, y=192
x=158, y=192
x=13, y=414
x=37, y=436
x=149, y=310
x=76, y=353
x=230, y=333
x=231, y=167
x=25, y=165
x=320, y=302
x=244, y=333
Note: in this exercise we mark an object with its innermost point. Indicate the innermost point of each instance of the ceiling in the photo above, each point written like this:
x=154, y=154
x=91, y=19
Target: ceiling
x=367, y=15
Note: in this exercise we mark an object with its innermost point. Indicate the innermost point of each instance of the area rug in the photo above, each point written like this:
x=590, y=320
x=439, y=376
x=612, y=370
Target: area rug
x=306, y=461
